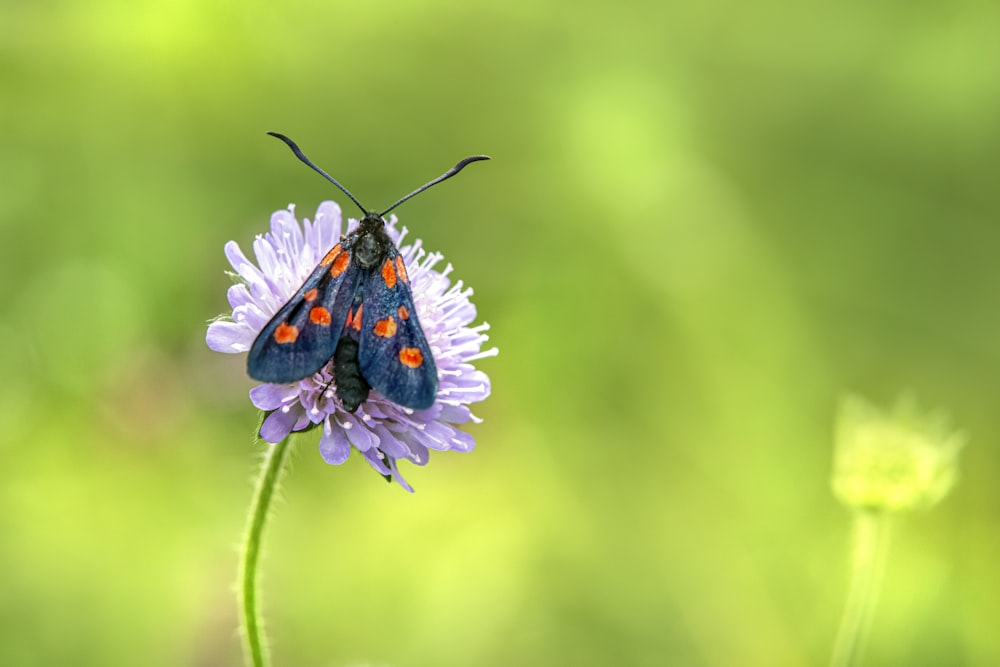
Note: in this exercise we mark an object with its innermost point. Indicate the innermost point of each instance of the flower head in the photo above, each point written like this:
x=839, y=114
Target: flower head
x=895, y=460
x=382, y=431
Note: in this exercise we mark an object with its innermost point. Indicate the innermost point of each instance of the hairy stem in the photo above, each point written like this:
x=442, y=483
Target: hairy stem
x=872, y=536
x=252, y=625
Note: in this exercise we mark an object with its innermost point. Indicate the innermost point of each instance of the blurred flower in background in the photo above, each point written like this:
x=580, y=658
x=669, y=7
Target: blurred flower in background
x=893, y=460
x=884, y=463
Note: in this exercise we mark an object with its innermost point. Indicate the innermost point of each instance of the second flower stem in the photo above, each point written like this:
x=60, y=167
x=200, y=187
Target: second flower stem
x=872, y=536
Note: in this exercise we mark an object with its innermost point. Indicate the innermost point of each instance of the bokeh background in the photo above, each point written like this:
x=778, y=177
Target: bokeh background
x=703, y=223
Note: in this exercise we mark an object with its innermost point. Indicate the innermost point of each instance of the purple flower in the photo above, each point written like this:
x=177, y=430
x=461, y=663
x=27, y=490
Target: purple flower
x=382, y=431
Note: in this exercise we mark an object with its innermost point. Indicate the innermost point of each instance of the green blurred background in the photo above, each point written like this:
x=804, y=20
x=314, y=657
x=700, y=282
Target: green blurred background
x=703, y=223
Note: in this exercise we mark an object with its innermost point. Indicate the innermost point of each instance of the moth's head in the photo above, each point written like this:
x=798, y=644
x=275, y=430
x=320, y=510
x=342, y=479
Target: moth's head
x=372, y=242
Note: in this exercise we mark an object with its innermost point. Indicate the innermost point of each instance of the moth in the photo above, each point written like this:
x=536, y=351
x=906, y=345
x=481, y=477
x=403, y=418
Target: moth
x=356, y=310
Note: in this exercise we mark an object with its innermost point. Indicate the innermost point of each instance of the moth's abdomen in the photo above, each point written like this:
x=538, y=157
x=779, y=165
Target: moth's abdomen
x=352, y=388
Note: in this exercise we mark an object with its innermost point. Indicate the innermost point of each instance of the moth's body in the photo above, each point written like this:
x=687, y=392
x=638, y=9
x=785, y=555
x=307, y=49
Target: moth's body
x=356, y=310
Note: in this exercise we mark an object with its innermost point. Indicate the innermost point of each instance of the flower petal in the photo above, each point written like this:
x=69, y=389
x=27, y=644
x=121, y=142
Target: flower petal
x=462, y=442
x=418, y=453
x=278, y=425
x=272, y=396
x=389, y=444
x=324, y=231
x=243, y=266
x=238, y=295
x=286, y=231
x=359, y=435
x=455, y=414
x=398, y=477
x=228, y=337
x=334, y=446
x=377, y=460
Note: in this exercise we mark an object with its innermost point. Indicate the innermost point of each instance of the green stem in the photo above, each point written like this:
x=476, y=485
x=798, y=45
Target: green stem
x=252, y=625
x=872, y=535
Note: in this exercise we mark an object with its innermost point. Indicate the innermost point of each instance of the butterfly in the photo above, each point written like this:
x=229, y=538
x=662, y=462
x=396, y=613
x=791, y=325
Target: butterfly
x=356, y=310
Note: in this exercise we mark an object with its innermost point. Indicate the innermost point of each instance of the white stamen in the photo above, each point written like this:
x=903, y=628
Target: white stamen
x=492, y=352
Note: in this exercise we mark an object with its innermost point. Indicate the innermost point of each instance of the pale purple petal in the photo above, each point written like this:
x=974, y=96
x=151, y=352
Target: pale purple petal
x=243, y=266
x=228, y=337
x=418, y=454
x=324, y=231
x=462, y=441
x=439, y=431
x=303, y=422
x=238, y=295
x=270, y=263
x=285, y=227
x=376, y=460
x=253, y=317
x=360, y=436
x=278, y=425
x=389, y=444
x=455, y=414
x=398, y=477
x=333, y=445
x=272, y=396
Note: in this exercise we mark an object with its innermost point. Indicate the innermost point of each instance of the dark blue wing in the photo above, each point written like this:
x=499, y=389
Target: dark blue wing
x=393, y=352
x=302, y=336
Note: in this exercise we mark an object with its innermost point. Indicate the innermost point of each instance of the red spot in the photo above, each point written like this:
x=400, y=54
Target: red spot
x=332, y=255
x=311, y=294
x=350, y=316
x=400, y=269
x=286, y=333
x=389, y=274
x=357, y=318
x=320, y=315
x=385, y=328
x=403, y=312
x=411, y=356
x=340, y=263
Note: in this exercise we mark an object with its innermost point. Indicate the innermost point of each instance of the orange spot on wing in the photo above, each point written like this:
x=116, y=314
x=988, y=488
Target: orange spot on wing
x=401, y=269
x=311, y=294
x=340, y=263
x=357, y=318
x=411, y=356
x=320, y=315
x=403, y=312
x=389, y=274
x=332, y=255
x=350, y=316
x=385, y=328
x=286, y=333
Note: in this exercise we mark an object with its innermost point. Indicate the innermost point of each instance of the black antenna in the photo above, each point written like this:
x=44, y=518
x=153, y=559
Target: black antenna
x=443, y=177
x=302, y=156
